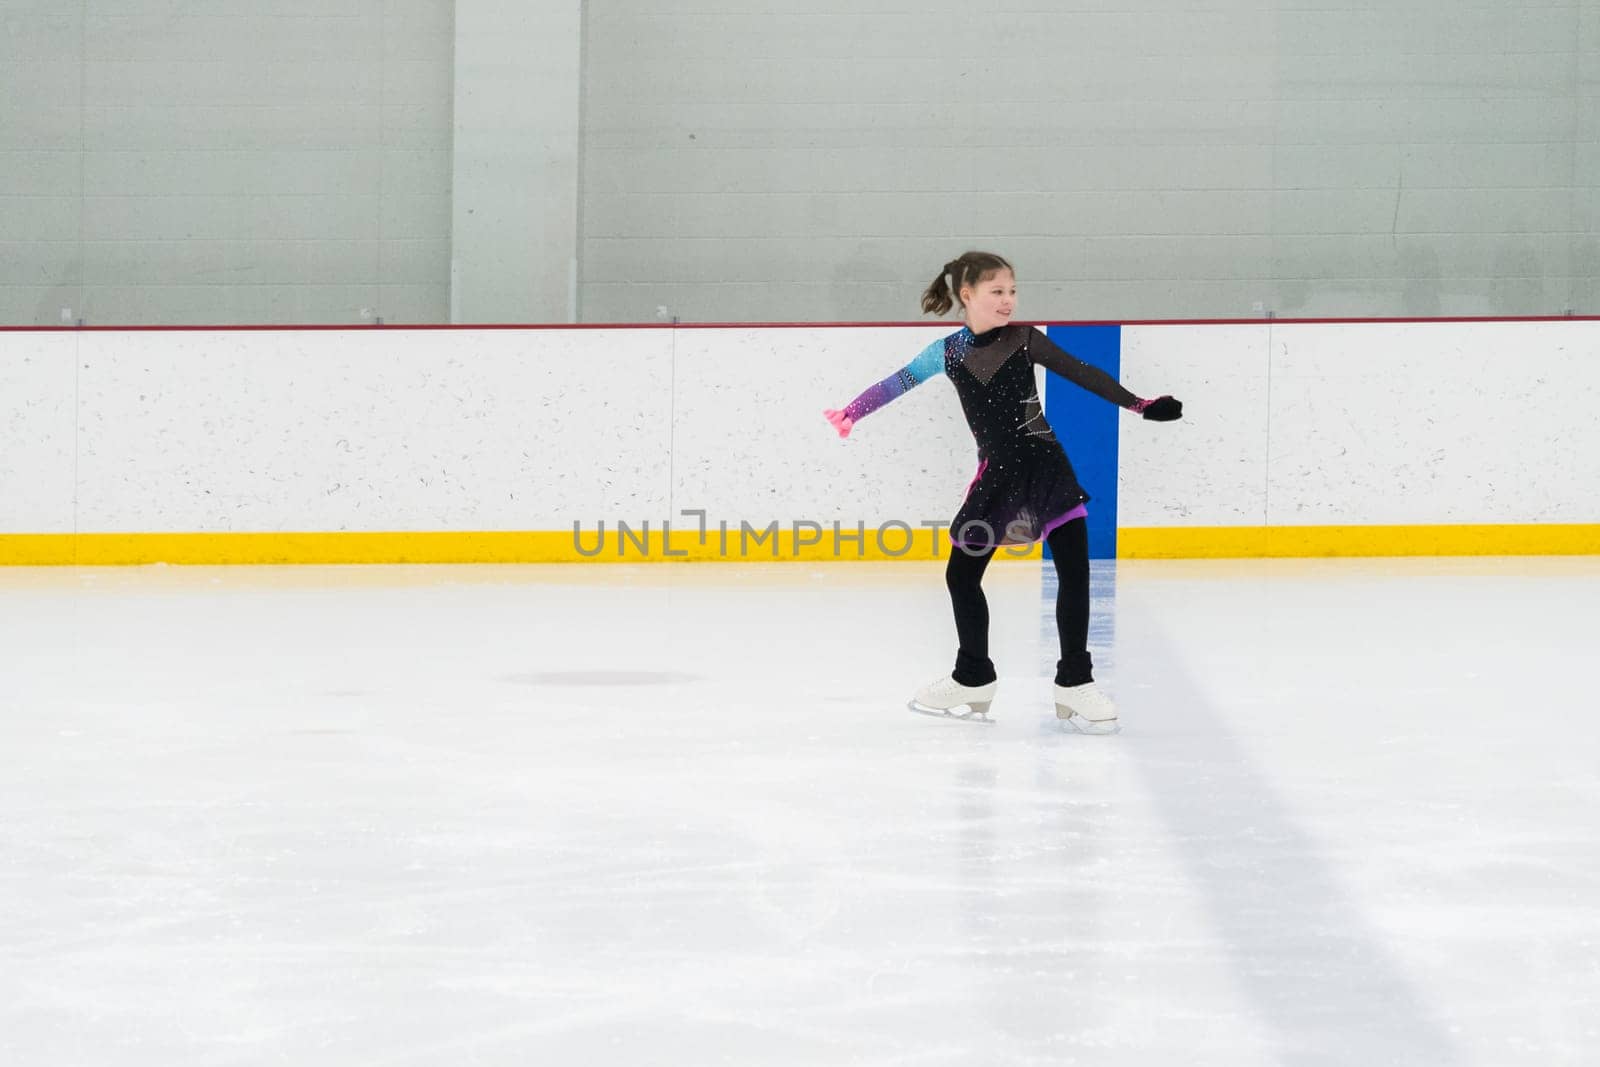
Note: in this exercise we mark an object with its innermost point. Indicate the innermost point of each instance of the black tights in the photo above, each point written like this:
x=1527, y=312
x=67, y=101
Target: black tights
x=1069, y=550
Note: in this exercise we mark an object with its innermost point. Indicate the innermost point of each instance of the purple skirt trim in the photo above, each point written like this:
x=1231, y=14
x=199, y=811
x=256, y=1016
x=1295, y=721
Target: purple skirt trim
x=1079, y=512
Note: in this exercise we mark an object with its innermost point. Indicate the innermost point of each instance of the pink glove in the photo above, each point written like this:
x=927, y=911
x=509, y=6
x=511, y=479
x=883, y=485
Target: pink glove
x=841, y=421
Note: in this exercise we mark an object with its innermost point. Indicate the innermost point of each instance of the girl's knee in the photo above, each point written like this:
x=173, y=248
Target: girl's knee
x=964, y=573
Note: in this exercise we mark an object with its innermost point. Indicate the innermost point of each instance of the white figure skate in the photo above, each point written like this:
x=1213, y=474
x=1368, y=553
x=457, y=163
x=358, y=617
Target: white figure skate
x=945, y=698
x=1086, y=708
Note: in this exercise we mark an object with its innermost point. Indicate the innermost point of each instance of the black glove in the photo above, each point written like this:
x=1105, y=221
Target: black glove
x=1164, y=409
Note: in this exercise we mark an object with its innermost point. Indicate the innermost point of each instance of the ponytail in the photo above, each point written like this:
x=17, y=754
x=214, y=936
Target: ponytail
x=967, y=269
x=937, y=299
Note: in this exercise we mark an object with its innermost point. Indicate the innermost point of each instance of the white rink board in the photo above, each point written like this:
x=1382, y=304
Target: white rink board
x=1210, y=469
x=751, y=443
x=1409, y=423
x=1365, y=424
x=372, y=431
x=536, y=429
x=36, y=431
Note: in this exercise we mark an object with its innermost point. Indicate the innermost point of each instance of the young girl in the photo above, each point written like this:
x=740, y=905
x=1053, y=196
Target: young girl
x=1024, y=490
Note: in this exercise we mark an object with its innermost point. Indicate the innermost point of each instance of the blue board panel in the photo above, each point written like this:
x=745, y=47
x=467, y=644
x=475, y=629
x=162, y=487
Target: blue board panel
x=1087, y=427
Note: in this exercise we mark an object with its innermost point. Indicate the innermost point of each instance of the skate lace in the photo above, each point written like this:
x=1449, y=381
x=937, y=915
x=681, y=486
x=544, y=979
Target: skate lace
x=948, y=686
x=1088, y=699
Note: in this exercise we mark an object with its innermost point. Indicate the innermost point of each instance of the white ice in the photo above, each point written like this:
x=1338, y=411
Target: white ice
x=678, y=814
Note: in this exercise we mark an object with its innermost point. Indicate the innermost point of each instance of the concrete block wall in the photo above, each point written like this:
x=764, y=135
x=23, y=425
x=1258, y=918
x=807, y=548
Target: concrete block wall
x=284, y=161
x=225, y=162
x=1143, y=159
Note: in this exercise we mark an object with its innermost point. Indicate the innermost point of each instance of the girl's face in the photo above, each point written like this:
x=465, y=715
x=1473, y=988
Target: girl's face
x=990, y=302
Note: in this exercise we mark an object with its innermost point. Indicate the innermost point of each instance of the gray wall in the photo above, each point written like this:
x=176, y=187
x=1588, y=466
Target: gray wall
x=224, y=161
x=275, y=161
x=778, y=159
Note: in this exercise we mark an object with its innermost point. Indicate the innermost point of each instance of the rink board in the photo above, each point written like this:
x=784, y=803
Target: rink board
x=606, y=444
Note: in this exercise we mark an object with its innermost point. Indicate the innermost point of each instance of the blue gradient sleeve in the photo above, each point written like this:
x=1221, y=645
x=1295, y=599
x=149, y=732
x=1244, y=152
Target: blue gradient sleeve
x=929, y=362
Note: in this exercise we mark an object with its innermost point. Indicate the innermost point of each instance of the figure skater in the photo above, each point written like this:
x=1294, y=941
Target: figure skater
x=1024, y=490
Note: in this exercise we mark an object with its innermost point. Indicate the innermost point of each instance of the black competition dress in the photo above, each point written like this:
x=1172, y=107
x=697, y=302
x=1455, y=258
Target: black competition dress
x=1025, y=485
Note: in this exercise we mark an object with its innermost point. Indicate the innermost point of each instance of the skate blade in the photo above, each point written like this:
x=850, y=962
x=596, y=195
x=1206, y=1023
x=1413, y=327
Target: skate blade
x=1078, y=724
x=970, y=715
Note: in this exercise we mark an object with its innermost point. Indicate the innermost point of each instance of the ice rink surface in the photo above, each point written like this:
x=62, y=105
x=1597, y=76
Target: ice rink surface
x=678, y=814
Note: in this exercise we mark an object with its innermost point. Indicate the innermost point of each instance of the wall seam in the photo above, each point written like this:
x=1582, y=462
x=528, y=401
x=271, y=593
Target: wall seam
x=581, y=173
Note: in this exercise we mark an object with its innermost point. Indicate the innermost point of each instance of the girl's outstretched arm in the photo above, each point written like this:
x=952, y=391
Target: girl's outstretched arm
x=929, y=362
x=1047, y=354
